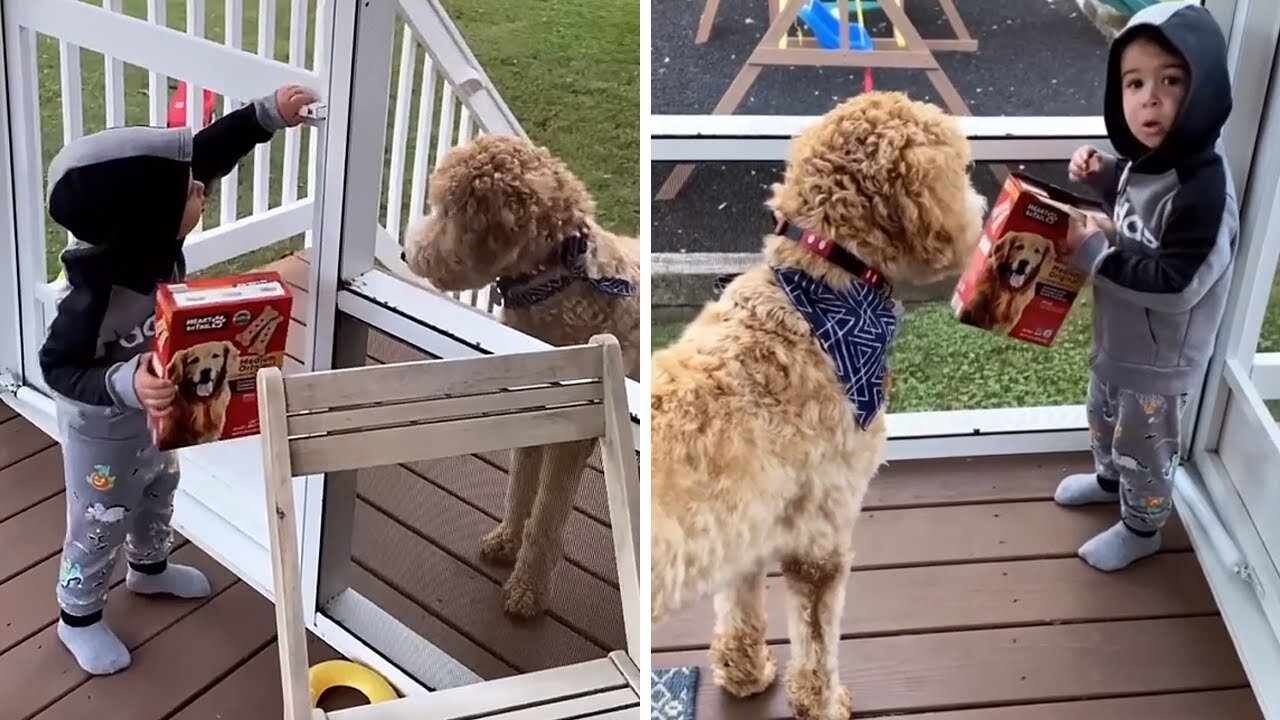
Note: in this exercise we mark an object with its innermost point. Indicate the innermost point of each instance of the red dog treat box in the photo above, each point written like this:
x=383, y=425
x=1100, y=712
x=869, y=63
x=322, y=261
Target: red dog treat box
x=1018, y=282
x=212, y=337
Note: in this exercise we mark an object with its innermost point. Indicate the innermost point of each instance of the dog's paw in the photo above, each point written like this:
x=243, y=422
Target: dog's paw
x=500, y=546
x=742, y=666
x=522, y=600
x=810, y=698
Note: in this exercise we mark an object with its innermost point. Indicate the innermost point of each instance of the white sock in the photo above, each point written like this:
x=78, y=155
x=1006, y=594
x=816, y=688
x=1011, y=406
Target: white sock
x=1083, y=489
x=1117, y=547
x=96, y=648
x=178, y=580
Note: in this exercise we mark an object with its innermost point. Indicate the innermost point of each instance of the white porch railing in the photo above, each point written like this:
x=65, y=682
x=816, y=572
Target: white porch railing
x=441, y=99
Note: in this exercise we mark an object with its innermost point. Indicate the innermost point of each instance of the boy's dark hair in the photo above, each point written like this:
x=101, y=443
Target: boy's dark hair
x=1161, y=41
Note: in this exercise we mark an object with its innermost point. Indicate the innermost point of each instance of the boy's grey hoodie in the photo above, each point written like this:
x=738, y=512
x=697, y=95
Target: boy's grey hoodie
x=1159, y=292
x=121, y=193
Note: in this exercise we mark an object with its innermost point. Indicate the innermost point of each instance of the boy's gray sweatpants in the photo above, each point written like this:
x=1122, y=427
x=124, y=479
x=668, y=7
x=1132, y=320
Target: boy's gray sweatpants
x=119, y=494
x=1137, y=441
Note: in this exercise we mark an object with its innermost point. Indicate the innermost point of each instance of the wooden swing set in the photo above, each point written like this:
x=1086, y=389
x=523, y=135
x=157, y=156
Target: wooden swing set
x=844, y=45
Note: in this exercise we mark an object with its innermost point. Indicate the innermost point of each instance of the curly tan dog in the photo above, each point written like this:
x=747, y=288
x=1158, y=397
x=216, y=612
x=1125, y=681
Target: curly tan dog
x=505, y=210
x=1008, y=281
x=758, y=457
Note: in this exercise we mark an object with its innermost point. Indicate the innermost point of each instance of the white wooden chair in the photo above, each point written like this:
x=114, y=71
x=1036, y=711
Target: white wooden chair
x=348, y=419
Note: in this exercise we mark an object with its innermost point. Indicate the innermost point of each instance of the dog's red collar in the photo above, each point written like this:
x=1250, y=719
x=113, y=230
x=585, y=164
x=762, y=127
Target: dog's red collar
x=830, y=250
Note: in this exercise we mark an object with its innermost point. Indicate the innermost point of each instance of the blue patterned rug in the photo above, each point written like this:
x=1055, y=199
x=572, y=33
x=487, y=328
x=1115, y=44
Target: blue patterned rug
x=675, y=693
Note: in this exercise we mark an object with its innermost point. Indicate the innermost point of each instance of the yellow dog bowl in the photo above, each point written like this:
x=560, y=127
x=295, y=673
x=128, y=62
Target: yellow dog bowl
x=344, y=673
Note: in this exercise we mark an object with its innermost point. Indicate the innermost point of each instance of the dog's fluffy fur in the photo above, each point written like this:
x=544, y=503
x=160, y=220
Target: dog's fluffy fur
x=757, y=458
x=501, y=207
x=198, y=417
x=1008, y=281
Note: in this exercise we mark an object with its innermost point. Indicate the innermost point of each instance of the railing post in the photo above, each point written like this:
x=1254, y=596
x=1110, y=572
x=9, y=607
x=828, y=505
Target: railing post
x=358, y=71
x=354, y=137
x=11, y=360
x=23, y=105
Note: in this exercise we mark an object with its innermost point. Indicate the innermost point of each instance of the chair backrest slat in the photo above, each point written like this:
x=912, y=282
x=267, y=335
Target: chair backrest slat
x=426, y=441
x=339, y=420
x=436, y=378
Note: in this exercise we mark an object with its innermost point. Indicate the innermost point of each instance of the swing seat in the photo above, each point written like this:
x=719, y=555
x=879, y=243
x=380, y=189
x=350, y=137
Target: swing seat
x=823, y=19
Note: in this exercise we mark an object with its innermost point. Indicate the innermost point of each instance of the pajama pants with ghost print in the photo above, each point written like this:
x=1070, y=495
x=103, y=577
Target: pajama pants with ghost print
x=119, y=492
x=1137, y=443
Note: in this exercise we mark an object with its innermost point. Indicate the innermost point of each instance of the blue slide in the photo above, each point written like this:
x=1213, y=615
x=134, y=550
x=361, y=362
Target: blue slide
x=824, y=20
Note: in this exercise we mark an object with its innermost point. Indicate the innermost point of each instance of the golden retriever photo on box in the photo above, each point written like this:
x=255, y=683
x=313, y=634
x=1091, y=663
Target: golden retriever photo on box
x=768, y=412
x=200, y=373
x=1008, y=281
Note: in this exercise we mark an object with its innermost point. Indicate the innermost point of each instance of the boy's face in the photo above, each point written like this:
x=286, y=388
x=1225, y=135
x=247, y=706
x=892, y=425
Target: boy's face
x=1154, y=83
x=194, y=209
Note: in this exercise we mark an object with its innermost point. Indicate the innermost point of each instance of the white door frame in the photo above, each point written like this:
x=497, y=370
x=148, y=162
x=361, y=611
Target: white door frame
x=11, y=345
x=234, y=533
x=351, y=293
x=765, y=138
x=1227, y=495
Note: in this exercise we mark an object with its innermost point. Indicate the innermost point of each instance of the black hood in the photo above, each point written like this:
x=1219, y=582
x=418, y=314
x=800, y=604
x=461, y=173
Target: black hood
x=121, y=193
x=1193, y=32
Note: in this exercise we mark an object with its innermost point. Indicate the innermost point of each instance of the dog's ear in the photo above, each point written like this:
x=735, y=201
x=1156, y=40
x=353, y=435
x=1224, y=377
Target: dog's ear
x=1050, y=251
x=230, y=355
x=1000, y=253
x=173, y=372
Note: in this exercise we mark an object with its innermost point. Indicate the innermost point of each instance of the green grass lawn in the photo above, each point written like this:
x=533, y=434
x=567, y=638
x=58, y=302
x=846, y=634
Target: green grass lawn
x=939, y=364
x=569, y=70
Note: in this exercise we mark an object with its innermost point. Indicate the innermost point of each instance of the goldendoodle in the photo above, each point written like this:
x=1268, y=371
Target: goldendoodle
x=767, y=413
x=504, y=211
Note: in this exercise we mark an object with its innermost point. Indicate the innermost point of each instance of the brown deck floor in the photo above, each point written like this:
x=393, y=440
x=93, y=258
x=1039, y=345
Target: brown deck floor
x=415, y=549
x=966, y=602
x=233, y=674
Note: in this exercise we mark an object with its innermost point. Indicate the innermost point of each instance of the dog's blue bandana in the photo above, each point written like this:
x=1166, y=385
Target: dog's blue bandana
x=855, y=327
x=526, y=291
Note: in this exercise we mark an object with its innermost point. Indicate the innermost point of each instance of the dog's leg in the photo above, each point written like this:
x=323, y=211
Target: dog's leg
x=815, y=590
x=740, y=661
x=502, y=544
x=525, y=591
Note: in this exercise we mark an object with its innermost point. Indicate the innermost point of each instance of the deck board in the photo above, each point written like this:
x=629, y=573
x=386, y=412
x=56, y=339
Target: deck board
x=913, y=673
x=450, y=525
x=157, y=683
x=980, y=595
x=231, y=675
x=1234, y=704
x=461, y=597
x=29, y=481
x=984, y=532
x=39, y=671
x=966, y=601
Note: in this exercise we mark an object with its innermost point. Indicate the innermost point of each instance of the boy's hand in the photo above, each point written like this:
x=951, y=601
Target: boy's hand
x=1085, y=163
x=290, y=100
x=155, y=393
x=1080, y=228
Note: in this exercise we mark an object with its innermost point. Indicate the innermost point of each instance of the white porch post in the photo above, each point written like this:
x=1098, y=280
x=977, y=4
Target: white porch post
x=23, y=109
x=1257, y=144
x=346, y=212
x=11, y=361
